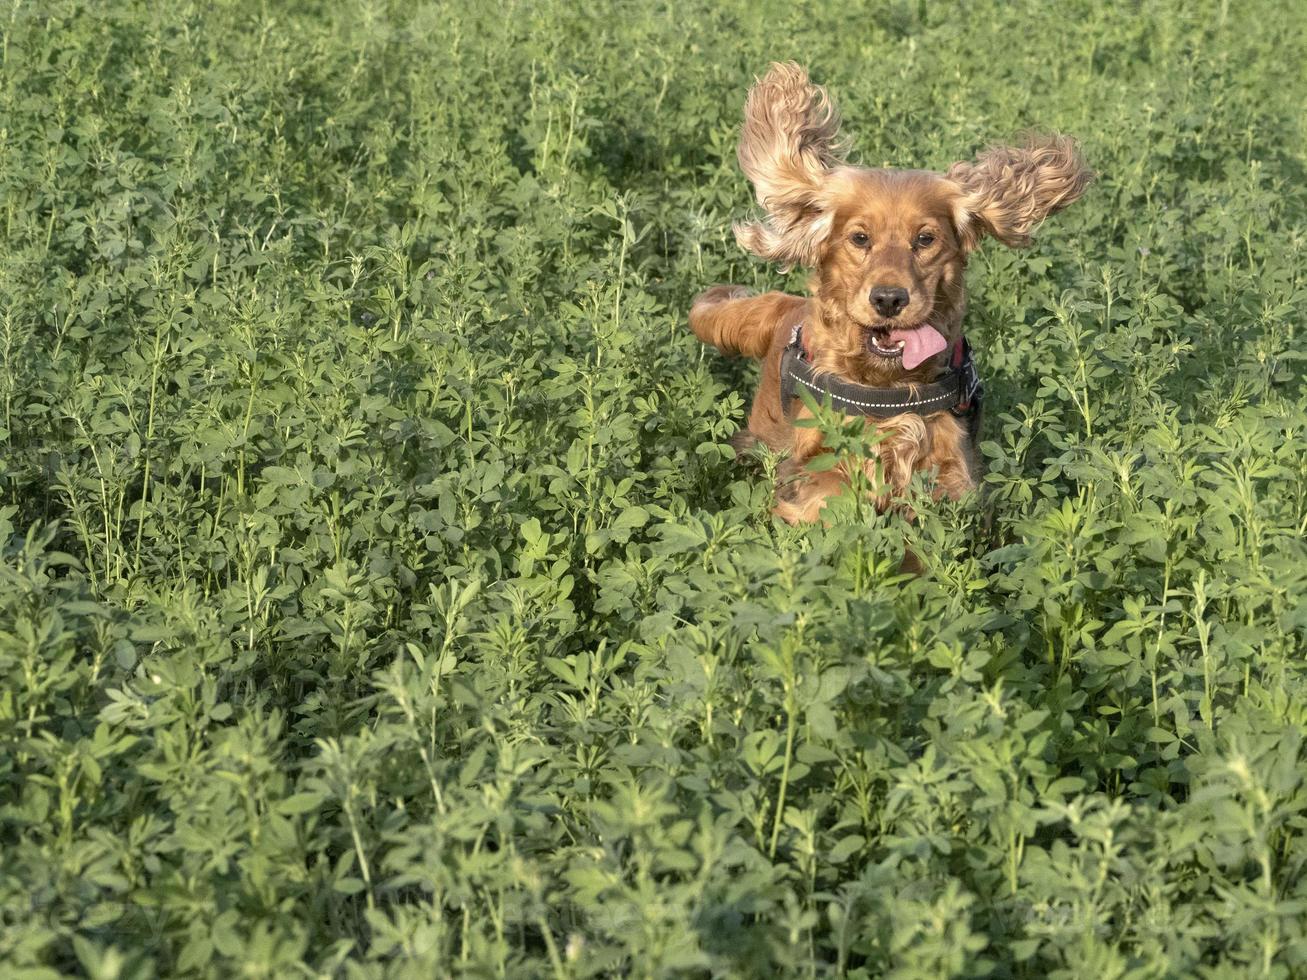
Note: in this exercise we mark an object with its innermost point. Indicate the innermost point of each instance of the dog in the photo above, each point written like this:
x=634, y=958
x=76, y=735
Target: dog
x=881, y=334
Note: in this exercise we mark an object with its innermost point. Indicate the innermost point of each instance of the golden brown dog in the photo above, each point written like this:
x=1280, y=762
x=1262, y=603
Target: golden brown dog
x=888, y=249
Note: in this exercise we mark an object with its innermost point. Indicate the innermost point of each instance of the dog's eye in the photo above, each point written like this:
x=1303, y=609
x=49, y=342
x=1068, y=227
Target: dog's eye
x=924, y=240
x=860, y=239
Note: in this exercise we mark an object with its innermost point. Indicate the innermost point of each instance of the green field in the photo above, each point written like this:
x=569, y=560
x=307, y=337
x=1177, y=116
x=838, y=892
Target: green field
x=378, y=593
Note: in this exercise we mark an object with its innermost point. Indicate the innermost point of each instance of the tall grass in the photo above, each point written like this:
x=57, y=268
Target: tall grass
x=378, y=595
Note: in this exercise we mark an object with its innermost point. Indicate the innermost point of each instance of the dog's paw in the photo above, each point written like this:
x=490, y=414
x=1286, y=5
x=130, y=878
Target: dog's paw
x=743, y=442
x=788, y=512
x=720, y=294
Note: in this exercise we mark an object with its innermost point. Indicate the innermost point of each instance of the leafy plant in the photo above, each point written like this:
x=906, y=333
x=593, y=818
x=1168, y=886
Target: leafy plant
x=379, y=594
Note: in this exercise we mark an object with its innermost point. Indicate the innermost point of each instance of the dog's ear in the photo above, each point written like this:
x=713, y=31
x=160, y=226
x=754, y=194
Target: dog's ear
x=787, y=149
x=1006, y=192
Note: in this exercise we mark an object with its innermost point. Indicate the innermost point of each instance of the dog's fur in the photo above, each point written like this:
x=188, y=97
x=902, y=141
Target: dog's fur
x=860, y=229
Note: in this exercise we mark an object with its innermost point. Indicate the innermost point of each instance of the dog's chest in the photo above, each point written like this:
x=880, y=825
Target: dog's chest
x=901, y=445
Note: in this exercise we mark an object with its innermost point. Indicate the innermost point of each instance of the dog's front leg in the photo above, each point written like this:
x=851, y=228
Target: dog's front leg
x=951, y=457
x=800, y=495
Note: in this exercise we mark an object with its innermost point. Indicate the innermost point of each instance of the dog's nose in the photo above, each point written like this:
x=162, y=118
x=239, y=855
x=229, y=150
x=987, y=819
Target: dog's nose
x=889, y=300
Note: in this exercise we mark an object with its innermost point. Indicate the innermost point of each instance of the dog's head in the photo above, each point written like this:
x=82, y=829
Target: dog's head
x=888, y=247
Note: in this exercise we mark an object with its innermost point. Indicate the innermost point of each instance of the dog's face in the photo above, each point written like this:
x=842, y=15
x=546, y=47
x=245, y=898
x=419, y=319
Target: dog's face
x=888, y=247
x=889, y=276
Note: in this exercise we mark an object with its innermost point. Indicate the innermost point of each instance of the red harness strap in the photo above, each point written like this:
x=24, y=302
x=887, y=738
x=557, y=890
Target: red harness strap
x=959, y=359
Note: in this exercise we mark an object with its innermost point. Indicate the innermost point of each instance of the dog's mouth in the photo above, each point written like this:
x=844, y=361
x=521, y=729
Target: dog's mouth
x=912, y=345
x=879, y=342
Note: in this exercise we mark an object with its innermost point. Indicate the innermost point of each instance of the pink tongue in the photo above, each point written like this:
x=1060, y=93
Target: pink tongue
x=923, y=342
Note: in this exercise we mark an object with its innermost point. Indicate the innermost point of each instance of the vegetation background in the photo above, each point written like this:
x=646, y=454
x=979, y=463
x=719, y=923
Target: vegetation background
x=378, y=597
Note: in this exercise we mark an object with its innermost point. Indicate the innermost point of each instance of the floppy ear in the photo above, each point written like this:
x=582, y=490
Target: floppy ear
x=1007, y=192
x=787, y=148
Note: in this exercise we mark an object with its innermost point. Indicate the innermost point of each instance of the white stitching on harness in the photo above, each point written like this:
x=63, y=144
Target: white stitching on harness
x=850, y=401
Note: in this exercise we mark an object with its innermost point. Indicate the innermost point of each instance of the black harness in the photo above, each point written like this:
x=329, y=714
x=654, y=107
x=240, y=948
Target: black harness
x=958, y=391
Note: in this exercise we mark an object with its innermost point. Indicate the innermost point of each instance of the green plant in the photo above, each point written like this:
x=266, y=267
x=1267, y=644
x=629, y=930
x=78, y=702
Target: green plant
x=379, y=595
